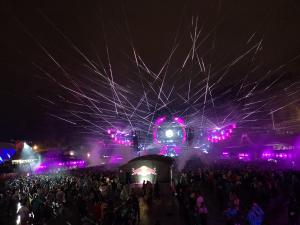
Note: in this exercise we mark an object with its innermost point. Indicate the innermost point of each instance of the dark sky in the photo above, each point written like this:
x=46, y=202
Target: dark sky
x=150, y=25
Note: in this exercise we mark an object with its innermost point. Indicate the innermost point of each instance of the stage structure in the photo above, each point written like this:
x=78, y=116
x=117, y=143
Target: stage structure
x=121, y=137
x=278, y=151
x=170, y=135
x=220, y=133
x=153, y=168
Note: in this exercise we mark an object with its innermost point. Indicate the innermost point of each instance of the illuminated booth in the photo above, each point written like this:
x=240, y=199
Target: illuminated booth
x=153, y=168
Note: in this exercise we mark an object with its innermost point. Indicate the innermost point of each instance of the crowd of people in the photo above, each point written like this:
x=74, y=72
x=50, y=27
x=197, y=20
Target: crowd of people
x=240, y=195
x=212, y=195
x=82, y=197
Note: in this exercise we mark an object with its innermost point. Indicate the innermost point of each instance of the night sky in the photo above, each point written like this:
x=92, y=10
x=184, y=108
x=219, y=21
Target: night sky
x=31, y=28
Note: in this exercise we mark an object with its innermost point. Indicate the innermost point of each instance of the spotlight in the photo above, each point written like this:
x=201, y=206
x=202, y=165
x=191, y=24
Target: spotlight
x=35, y=147
x=71, y=153
x=88, y=155
x=169, y=133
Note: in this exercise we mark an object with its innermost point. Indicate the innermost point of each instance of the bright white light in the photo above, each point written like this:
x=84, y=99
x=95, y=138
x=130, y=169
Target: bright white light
x=35, y=147
x=26, y=146
x=18, y=206
x=21, y=161
x=144, y=171
x=169, y=133
x=88, y=155
x=71, y=153
x=18, y=221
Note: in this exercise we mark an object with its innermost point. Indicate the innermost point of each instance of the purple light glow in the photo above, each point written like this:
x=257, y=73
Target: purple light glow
x=222, y=133
x=120, y=137
x=271, y=155
x=157, y=123
x=163, y=150
x=169, y=143
x=244, y=156
x=59, y=165
x=160, y=120
x=115, y=159
x=170, y=150
x=179, y=120
x=225, y=155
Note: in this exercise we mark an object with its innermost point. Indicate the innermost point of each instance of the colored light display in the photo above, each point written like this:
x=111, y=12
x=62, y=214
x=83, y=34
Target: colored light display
x=244, y=156
x=6, y=154
x=24, y=161
x=144, y=173
x=280, y=147
x=271, y=155
x=170, y=134
x=45, y=166
x=171, y=151
x=120, y=137
x=220, y=133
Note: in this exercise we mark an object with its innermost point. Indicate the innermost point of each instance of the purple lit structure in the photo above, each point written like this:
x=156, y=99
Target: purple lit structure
x=120, y=137
x=220, y=133
x=244, y=156
x=115, y=159
x=48, y=166
x=269, y=155
x=225, y=155
x=278, y=151
x=170, y=135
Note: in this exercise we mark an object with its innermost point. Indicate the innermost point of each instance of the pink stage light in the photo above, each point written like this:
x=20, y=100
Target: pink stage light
x=169, y=147
x=120, y=137
x=220, y=133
